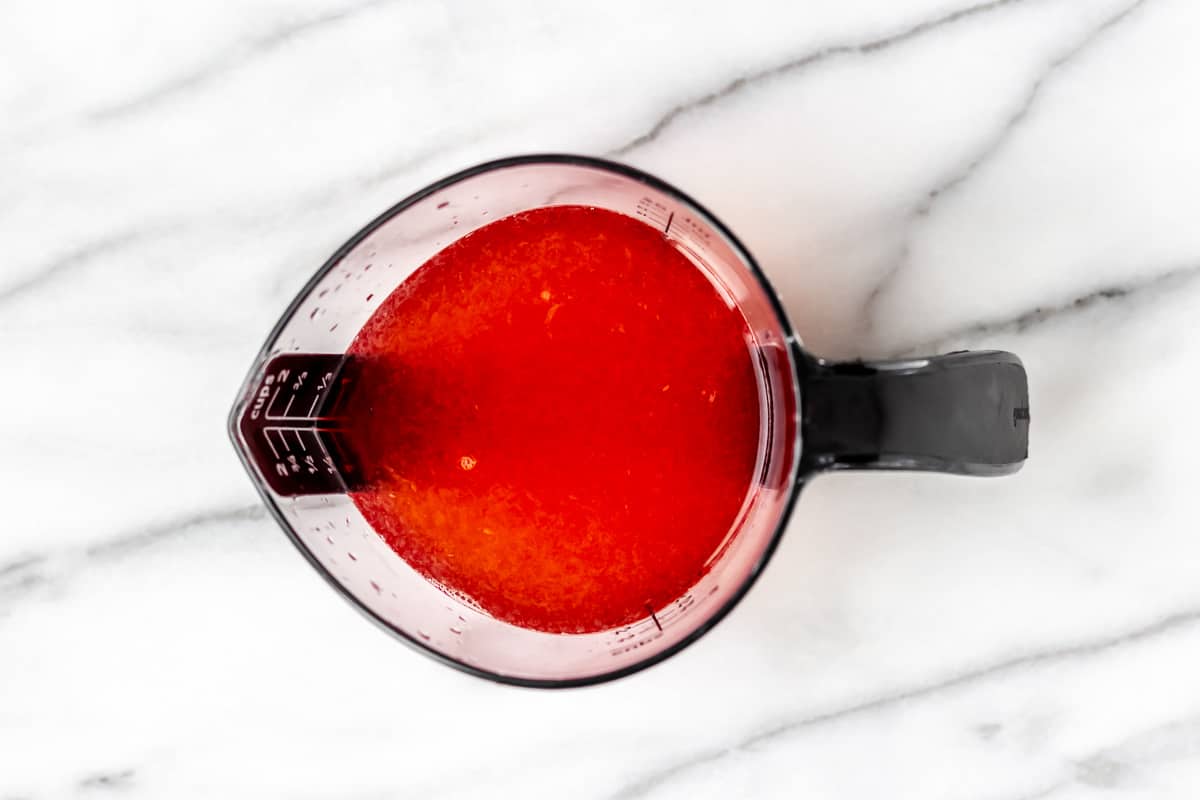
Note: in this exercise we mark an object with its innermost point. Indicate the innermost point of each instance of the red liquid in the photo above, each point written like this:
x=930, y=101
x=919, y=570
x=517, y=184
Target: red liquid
x=557, y=417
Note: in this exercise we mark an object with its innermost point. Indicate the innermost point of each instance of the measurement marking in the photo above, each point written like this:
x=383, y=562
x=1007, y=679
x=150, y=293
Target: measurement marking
x=267, y=434
x=270, y=403
x=299, y=439
x=657, y=624
x=670, y=219
x=313, y=408
x=283, y=441
x=288, y=407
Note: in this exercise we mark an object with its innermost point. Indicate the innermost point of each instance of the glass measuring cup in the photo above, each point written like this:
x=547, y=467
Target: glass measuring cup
x=965, y=413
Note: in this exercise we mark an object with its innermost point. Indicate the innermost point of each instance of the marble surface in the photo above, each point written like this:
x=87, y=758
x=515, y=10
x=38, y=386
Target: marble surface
x=914, y=176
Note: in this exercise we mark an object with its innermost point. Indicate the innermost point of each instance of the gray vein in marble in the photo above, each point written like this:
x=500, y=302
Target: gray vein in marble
x=26, y=572
x=1044, y=792
x=230, y=60
x=804, y=61
x=1019, y=323
x=20, y=564
x=111, y=781
x=1112, y=767
x=22, y=583
x=990, y=148
x=63, y=265
x=1179, y=622
x=1172, y=741
x=351, y=187
x=402, y=166
x=67, y=263
x=988, y=731
x=153, y=534
x=50, y=272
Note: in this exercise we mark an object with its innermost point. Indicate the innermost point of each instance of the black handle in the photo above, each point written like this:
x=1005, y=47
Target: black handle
x=965, y=413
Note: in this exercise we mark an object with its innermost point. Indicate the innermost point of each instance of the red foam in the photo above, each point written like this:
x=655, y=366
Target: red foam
x=558, y=417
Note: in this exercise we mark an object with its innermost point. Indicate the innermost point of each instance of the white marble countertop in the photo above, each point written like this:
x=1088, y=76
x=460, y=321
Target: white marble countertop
x=917, y=175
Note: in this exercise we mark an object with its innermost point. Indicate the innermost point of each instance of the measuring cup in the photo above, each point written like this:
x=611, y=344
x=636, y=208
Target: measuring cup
x=964, y=413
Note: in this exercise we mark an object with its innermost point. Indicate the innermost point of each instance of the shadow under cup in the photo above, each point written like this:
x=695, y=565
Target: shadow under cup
x=286, y=399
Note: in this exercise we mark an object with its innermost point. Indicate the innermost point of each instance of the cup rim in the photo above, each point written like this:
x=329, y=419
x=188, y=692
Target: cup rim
x=792, y=342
